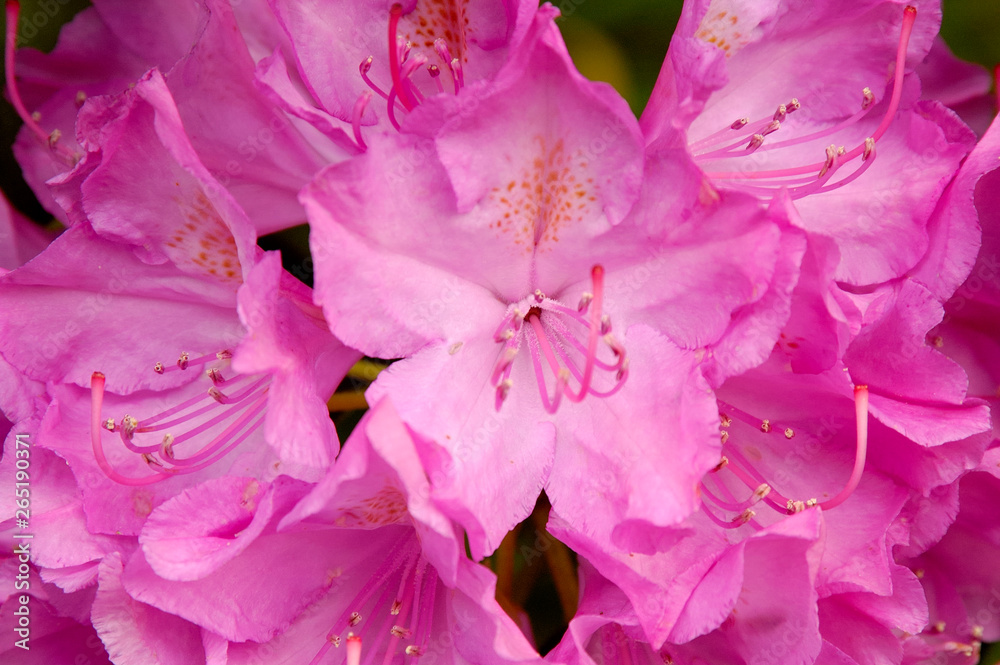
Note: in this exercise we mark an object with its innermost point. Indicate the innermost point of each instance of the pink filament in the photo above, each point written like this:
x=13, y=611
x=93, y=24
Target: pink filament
x=359, y=111
x=597, y=276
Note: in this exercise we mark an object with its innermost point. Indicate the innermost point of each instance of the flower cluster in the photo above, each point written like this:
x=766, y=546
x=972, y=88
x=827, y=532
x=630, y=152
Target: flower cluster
x=736, y=360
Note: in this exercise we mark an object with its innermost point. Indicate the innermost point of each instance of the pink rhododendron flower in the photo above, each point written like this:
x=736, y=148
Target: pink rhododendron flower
x=551, y=360
x=406, y=52
x=19, y=238
x=247, y=143
x=178, y=260
x=864, y=159
x=363, y=566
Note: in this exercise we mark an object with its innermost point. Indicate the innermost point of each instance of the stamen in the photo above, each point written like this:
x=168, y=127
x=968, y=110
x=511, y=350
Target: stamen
x=244, y=409
x=31, y=120
x=359, y=111
x=808, y=179
x=459, y=74
x=548, y=318
x=390, y=109
x=97, y=381
x=435, y=73
x=762, y=490
x=597, y=276
x=364, y=68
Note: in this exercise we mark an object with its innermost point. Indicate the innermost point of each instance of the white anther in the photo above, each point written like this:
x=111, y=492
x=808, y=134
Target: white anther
x=771, y=128
x=605, y=324
x=182, y=362
x=54, y=137
x=725, y=420
x=869, y=149
x=723, y=463
x=218, y=395
x=128, y=426
x=167, y=446
x=831, y=159
x=539, y=296
x=81, y=97
x=151, y=461
x=454, y=348
x=794, y=507
x=400, y=632
x=225, y=354
x=335, y=640
x=789, y=432
x=414, y=650
x=765, y=426
x=762, y=490
x=396, y=606
x=355, y=619
x=36, y=116
x=739, y=123
x=811, y=502
x=746, y=516
x=158, y=368
x=366, y=64
x=781, y=113
x=939, y=627
x=793, y=105
x=977, y=632
x=867, y=99
x=724, y=436
x=755, y=142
